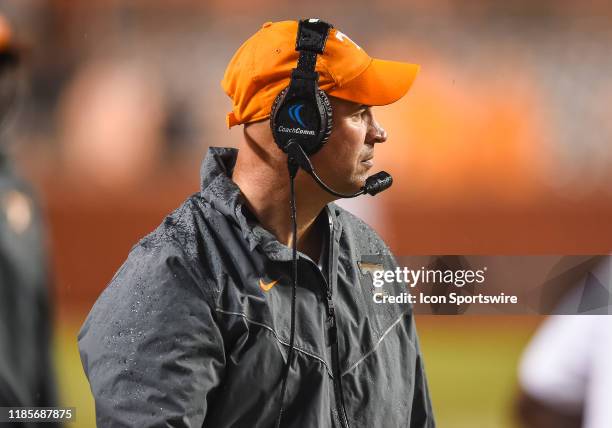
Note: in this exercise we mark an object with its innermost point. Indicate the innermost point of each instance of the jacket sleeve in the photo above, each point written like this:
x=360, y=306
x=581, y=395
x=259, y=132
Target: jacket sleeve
x=150, y=346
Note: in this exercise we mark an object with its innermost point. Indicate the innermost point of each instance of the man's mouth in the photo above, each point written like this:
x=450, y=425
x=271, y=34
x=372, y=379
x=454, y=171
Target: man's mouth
x=368, y=161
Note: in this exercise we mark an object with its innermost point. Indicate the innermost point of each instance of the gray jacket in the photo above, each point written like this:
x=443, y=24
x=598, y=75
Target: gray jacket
x=193, y=329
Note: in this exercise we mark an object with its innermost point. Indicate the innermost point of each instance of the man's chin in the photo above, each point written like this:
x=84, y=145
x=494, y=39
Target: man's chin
x=350, y=186
x=354, y=186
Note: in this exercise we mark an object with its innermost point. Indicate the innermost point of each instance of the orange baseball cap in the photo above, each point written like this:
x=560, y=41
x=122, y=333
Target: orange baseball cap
x=261, y=68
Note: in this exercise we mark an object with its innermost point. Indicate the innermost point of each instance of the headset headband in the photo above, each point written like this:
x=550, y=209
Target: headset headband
x=302, y=112
x=311, y=39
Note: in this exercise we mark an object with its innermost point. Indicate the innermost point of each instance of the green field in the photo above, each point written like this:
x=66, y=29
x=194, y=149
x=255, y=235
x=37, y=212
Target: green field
x=471, y=367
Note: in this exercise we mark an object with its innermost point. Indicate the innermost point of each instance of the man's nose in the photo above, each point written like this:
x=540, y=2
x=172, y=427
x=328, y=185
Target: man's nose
x=376, y=133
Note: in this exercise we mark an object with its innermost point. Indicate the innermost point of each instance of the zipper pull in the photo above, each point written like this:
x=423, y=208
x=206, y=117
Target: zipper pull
x=331, y=312
x=331, y=317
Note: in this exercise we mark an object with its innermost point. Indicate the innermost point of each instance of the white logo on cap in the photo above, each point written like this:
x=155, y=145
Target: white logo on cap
x=340, y=36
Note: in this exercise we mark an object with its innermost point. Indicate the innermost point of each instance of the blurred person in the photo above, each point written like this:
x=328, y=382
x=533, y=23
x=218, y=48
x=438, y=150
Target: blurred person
x=565, y=376
x=26, y=373
x=234, y=313
x=111, y=118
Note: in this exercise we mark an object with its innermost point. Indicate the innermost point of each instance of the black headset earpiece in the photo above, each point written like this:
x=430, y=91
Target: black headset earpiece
x=301, y=115
x=302, y=112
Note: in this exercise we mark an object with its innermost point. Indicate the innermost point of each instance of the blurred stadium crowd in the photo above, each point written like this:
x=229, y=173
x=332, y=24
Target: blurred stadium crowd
x=502, y=146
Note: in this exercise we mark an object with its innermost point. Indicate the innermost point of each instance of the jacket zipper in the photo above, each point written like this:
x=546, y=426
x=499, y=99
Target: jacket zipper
x=333, y=330
x=333, y=333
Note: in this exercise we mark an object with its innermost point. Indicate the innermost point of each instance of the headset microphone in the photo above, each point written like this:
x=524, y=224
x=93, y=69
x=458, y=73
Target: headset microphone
x=377, y=183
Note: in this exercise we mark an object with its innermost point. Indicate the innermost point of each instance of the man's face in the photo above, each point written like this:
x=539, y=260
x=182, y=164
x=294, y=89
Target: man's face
x=346, y=159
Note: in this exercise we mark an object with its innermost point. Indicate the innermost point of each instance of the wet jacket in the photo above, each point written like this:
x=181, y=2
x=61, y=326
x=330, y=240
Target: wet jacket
x=193, y=329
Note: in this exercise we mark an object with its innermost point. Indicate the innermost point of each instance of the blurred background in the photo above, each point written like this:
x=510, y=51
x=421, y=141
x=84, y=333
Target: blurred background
x=503, y=146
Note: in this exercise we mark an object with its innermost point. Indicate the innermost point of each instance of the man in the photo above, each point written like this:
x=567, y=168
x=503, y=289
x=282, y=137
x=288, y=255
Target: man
x=194, y=329
x=26, y=374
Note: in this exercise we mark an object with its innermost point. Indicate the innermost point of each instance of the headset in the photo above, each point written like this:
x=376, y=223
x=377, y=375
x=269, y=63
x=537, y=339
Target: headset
x=301, y=116
x=301, y=123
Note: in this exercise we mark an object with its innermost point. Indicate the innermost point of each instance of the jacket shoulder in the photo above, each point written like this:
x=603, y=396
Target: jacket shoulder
x=168, y=260
x=178, y=230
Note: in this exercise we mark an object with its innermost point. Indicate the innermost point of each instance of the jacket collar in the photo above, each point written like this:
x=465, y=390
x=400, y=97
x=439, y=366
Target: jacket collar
x=220, y=191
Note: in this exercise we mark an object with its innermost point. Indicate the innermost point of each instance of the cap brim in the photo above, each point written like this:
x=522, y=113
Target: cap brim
x=382, y=82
